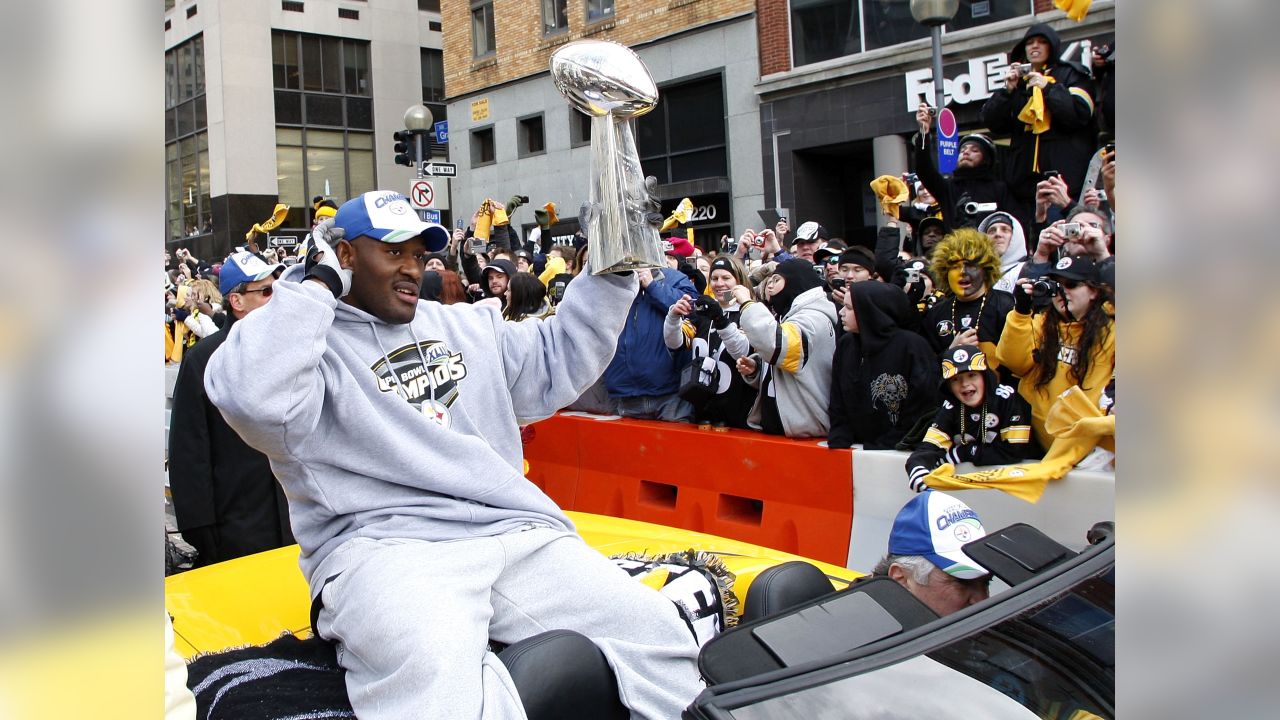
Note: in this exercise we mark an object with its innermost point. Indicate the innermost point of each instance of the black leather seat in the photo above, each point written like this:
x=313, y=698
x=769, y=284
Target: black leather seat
x=562, y=675
x=782, y=587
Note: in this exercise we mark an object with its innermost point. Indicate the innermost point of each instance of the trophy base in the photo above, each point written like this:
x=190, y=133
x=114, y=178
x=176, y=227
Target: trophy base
x=626, y=264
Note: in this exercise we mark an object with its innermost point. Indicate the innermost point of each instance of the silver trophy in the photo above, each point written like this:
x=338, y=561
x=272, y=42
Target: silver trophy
x=610, y=83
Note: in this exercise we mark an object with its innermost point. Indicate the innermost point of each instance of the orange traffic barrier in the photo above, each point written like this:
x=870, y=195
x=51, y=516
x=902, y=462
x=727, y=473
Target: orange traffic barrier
x=790, y=495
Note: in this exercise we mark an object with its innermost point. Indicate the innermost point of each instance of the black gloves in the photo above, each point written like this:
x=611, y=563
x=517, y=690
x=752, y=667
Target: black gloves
x=711, y=309
x=1021, y=299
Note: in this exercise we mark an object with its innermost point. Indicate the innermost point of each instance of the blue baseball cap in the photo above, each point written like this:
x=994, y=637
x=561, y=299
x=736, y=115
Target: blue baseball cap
x=243, y=267
x=387, y=216
x=935, y=526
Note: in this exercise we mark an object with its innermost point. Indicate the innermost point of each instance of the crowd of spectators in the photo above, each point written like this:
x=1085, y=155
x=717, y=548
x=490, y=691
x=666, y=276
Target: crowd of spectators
x=988, y=296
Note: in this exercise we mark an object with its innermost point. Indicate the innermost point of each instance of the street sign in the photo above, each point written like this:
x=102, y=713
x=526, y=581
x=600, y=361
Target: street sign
x=948, y=143
x=439, y=169
x=442, y=131
x=432, y=216
x=421, y=194
x=282, y=241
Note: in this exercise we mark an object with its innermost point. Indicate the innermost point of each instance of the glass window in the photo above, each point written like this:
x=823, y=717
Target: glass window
x=289, y=108
x=360, y=165
x=482, y=149
x=483, y=41
x=429, y=5
x=555, y=16
x=684, y=137
x=824, y=29
x=360, y=113
x=579, y=129
x=331, y=69
x=355, y=63
x=326, y=171
x=889, y=22
x=324, y=110
x=973, y=13
x=599, y=9
x=532, y=138
x=311, y=66
x=432, y=75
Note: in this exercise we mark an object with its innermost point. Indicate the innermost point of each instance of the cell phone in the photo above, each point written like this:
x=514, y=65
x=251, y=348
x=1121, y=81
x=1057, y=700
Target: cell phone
x=1110, y=148
x=836, y=283
x=459, y=223
x=1051, y=174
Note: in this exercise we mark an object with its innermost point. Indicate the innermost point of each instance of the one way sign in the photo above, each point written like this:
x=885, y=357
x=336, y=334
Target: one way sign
x=439, y=169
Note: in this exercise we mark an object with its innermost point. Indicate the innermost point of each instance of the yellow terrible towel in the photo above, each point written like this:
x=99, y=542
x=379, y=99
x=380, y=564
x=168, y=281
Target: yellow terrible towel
x=891, y=191
x=1075, y=9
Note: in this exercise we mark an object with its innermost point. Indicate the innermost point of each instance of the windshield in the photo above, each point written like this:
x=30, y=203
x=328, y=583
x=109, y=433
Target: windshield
x=1055, y=660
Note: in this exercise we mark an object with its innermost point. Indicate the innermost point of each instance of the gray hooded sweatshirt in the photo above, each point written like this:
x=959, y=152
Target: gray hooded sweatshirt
x=407, y=431
x=1014, y=256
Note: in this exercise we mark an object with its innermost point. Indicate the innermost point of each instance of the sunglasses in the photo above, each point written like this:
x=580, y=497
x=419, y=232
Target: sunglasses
x=266, y=291
x=1068, y=284
x=833, y=260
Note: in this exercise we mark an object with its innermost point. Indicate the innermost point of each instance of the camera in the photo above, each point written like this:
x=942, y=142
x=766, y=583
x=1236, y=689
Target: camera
x=977, y=208
x=556, y=291
x=1050, y=174
x=837, y=283
x=1044, y=288
x=910, y=179
x=1023, y=68
x=475, y=245
x=524, y=199
x=1071, y=231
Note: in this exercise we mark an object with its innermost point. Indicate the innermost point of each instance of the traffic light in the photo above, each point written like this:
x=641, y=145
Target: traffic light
x=404, y=147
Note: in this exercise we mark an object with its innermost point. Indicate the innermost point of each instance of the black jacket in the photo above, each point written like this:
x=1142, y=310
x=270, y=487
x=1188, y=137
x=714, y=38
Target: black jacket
x=981, y=185
x=945, y=319
x=884, y=377
x=1068, y=144
x=226, y=500
x=999, y=436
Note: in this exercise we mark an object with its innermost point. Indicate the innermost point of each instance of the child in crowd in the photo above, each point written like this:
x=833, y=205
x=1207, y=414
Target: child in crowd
x=981, y=421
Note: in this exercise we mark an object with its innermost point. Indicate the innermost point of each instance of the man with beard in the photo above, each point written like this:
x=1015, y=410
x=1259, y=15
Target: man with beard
x=393, y=423
x=974, y=180
x=965, y=267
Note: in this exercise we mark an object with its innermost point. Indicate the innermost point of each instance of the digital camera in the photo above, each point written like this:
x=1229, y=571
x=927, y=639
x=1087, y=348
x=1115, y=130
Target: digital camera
x=1023, y=68
x=1045, y=288
x=1071, y=231
x=475, y=245
x=837, y=283
x=977, y=208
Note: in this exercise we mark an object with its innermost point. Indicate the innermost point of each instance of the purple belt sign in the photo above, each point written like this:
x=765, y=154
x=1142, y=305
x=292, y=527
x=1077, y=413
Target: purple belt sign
x=948, y=141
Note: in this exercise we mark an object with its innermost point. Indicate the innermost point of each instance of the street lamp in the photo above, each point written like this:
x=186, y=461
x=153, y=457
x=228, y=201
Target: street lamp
x=935, y=14
x=417, y=120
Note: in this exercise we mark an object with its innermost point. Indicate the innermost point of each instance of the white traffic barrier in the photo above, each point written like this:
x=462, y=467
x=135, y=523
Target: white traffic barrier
x=1066, y=511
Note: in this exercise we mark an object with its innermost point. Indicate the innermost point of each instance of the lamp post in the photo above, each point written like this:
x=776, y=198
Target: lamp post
x=417, y=120
x=935, y=14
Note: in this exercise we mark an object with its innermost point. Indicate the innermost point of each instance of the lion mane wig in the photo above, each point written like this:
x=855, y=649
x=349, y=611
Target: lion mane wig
x=966, y=244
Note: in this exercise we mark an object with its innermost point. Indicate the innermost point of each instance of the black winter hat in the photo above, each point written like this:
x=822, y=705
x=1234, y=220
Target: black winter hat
x=1044, y=30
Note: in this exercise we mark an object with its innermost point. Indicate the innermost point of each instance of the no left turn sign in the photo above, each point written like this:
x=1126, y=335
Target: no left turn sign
x=422, y=195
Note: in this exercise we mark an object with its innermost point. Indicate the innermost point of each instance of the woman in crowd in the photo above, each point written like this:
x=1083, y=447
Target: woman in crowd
x=526, y=298
x=709, y=328
x=793, y=335
x=884, y=376
x=1070, y=343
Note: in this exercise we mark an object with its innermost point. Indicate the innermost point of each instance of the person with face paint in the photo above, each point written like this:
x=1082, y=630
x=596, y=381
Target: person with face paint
x=965, y=266
x=1070, y=343
x=1048, y=114
x=793, y=334
x=884, y=377
x=708, y=326
x=981, y=421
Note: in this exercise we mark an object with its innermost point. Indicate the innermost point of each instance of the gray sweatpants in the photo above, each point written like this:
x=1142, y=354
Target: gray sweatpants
x=412, y=619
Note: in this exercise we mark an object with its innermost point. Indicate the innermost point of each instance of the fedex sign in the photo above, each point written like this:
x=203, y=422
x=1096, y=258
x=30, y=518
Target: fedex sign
x=983, y=77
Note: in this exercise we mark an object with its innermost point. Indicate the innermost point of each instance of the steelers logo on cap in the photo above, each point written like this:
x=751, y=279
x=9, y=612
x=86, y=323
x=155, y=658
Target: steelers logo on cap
x=1064, y=263
x=961, y=355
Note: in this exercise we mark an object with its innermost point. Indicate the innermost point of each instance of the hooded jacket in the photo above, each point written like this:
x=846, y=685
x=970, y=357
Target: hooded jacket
x=1014, y=256
x=226, y=501
x=983, y=184
x=793, y=357
x=407, y=431
x=642, y=365
x=1068, y=144
x=884, y=377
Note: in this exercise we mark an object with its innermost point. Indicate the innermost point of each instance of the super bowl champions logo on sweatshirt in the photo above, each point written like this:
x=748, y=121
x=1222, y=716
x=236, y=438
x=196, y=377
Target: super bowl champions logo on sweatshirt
x=432, y=388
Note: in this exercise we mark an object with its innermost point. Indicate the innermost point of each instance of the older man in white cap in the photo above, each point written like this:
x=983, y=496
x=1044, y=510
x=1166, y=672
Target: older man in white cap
x=925, y=554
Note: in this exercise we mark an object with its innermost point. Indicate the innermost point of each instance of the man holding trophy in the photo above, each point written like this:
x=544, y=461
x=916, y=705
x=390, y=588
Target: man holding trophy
x=392, y=423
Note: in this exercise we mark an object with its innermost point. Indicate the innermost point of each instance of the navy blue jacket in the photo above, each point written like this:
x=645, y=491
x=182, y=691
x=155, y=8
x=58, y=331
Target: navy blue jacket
x=642, y=364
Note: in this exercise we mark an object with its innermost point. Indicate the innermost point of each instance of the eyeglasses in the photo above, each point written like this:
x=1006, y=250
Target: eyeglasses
x=833, y=260
x=266, y=291
x=1068, y=284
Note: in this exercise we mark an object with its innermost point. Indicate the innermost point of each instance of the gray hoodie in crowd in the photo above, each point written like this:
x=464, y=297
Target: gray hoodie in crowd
x=345, y=407
x=1014, y=256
